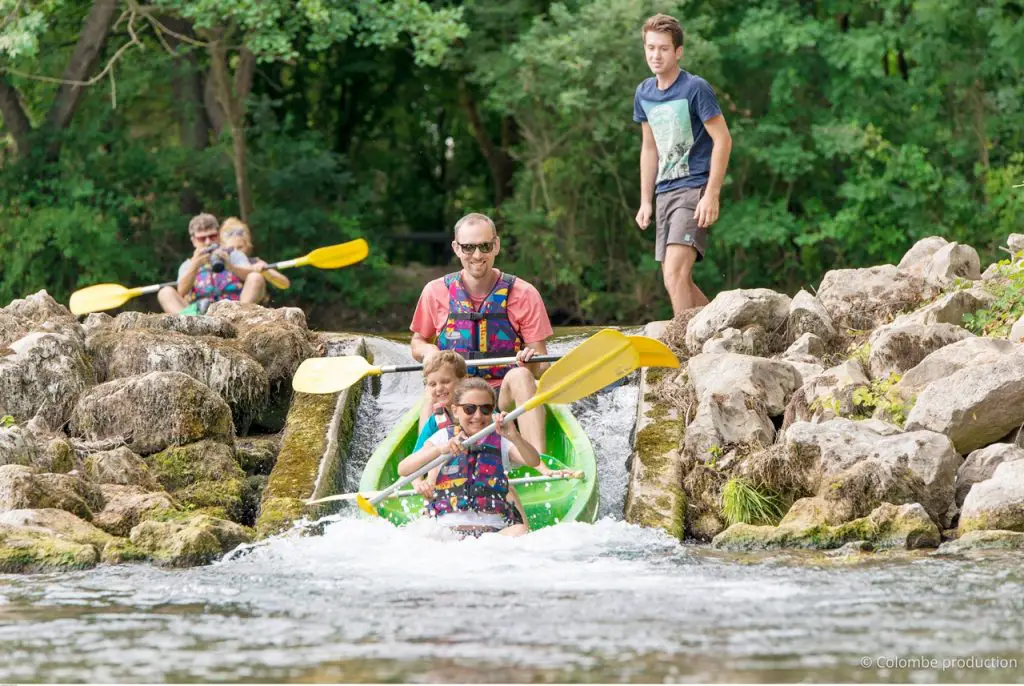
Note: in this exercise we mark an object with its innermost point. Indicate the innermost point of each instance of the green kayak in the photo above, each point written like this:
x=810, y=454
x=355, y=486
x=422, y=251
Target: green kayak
x=546, y=503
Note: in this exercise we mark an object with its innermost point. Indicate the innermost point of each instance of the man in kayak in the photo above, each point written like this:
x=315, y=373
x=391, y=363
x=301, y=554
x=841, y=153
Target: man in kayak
x=683, y=157
x=483, y=312
x=202, y=282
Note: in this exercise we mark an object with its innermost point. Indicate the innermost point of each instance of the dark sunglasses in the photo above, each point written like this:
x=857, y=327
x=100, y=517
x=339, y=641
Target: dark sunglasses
x=470, y=248
x=470, y=409
x=235, y=232
x=205, y=238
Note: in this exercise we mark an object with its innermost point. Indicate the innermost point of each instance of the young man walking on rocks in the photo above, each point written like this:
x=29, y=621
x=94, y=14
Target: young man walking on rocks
x=685, y=152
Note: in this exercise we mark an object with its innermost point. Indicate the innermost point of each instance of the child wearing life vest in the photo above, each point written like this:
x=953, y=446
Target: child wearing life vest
x=472, y=494
x=440, y=376
x=235, y=236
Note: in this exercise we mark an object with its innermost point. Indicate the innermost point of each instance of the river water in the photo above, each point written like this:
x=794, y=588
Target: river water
x=366, y=601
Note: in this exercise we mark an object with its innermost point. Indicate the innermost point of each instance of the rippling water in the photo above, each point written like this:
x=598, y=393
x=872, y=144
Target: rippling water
x=365, y=601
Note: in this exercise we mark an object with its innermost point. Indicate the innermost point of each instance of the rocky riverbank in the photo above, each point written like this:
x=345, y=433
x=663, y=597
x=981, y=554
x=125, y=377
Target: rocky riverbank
x=154, y=437
x=882, y=411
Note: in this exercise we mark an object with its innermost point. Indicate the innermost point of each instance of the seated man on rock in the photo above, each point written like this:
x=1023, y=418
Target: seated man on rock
x=212, y=273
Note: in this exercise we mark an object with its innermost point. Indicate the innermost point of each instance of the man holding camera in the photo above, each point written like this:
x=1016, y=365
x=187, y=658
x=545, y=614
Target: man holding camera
x=211, y=274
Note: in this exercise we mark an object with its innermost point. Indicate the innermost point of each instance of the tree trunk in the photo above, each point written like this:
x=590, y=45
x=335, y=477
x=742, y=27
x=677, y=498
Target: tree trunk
x=231, y=95
x=193, y=122
x=499, y=162
x=15, y=119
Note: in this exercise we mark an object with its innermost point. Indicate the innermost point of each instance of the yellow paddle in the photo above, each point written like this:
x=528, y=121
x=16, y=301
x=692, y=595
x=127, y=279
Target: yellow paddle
x=598, y=362
x=334, y=374
x=107, y=296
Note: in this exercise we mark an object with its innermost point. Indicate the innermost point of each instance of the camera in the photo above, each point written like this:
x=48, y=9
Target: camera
x=216, y=261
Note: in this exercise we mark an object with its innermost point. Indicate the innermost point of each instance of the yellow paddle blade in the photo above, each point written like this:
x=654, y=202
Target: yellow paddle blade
x=102, y=296
x=336, y=256
x=331, y=374
x=366, y=506
x=598, y=362
x=653, y=353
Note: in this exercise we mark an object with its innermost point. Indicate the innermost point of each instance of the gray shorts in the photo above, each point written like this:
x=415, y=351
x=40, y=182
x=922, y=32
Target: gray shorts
x=675, y=222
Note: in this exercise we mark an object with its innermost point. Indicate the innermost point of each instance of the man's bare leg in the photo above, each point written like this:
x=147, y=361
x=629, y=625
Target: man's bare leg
x=677, y=271
x=170, y=300
x=517, y=387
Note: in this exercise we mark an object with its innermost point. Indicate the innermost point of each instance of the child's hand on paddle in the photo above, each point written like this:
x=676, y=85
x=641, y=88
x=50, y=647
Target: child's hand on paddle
x=505, y=430
x=424, y=488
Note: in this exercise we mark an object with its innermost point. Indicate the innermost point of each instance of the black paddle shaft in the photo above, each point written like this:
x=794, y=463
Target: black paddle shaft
x=479, y=362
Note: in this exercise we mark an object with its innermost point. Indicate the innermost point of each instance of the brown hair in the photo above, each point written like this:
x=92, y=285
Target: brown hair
x=202, y=222
x=475, y=218
x=663, y=23
x=470, y=384
x=447, y=358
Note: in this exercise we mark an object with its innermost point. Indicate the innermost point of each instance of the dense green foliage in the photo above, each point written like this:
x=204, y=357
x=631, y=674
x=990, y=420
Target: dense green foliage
x=858, y=128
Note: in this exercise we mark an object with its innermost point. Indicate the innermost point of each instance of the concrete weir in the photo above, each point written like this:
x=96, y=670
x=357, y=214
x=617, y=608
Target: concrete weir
x=313, y=447
x=654, y=496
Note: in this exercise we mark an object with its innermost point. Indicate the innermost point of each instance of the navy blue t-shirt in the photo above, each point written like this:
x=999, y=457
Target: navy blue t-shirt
x=677, y=115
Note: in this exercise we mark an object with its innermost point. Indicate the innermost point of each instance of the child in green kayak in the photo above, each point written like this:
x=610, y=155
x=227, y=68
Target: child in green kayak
x=471, y=493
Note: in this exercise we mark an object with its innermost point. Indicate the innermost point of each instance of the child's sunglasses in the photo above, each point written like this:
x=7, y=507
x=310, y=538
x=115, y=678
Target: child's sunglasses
x=470, y=409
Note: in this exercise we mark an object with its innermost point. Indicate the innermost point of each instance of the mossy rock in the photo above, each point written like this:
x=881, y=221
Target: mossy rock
x=26, y=550
x=197, y=541
x=120, y=551
x=257, y=455
x=202, y=475
x=277, y=515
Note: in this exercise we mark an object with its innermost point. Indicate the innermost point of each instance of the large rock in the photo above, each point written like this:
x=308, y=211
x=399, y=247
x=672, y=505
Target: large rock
x=119, y=466
x=895, y=349
x=738, y=309
x=202, y=475
x=998, y=502
x=725, y=421
x=44, y=376
x=862, y=468
x=60, y=523
x=37, y=313
x=982, y=539
x=975, y=406
x=280, y=348
x=198, y=541
x=950, y=359
x=126, y=506
x=827, y=395
x=152, y=412
x=769, y=383
x=949, y=308
x=808, y=316
x=17, y=446
x=183, y=324
x=951, y=262
x=21, y=488
x=1017, y=331
x=233, y=374
x=863, y=299
x=919, y=256
x=747, y=342
x=981, y=465
x=244, y=316
x=26, y=549
x=808, y=345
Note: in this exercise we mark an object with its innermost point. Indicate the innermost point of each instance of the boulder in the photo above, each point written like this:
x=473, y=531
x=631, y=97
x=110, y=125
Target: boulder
x=119, y=466
x=807, y=345
x=808, y=316
x=56, y=455
x=946, y=361
x=1017, y=331
x=152, y=412
x=17, y=446
x=997, y=502
x=736, y=341
x=827, y=395
x=982, y=539
x=280, y=348
x=198, y=541
x=950, y=262
x=22, y=488
x=949, y=308
x=233, y=374
x=183, y=324
x=857, y=465
x=724, y=421
x=896, y=349
x=44, y=376
x=202, y=474
x=245, y=316
x=37, y=313
x=738, y=309
x=768, y=383
x=863, y=299
x=96, y=321
x=1015, y=242
x=919, y=256
x=59, y=523
x=126, y=506
x=257, y=455
x=975, y=406
x=26, y=549
x=981, y=464
x=808, y=371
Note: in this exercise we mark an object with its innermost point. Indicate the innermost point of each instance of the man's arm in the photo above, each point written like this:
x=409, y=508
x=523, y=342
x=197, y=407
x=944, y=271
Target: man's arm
x=421, y=348
x=707, y=209
x=648, y=172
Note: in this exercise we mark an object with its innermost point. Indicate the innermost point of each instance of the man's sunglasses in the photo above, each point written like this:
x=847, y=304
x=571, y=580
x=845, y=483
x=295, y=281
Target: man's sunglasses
x=205, y=238
x=470, y=409
x=470, y=248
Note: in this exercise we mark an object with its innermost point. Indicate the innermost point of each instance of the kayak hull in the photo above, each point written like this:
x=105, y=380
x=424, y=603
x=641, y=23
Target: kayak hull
x=546, y=504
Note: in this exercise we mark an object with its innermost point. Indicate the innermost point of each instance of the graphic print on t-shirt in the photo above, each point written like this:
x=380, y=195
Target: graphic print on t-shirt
x=673, y=134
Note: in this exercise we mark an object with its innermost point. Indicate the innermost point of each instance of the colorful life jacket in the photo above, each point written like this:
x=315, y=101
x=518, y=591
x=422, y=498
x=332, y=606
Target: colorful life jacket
x=442, y=417
x=474, y=481
x=210, y=286
x=482, y=333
